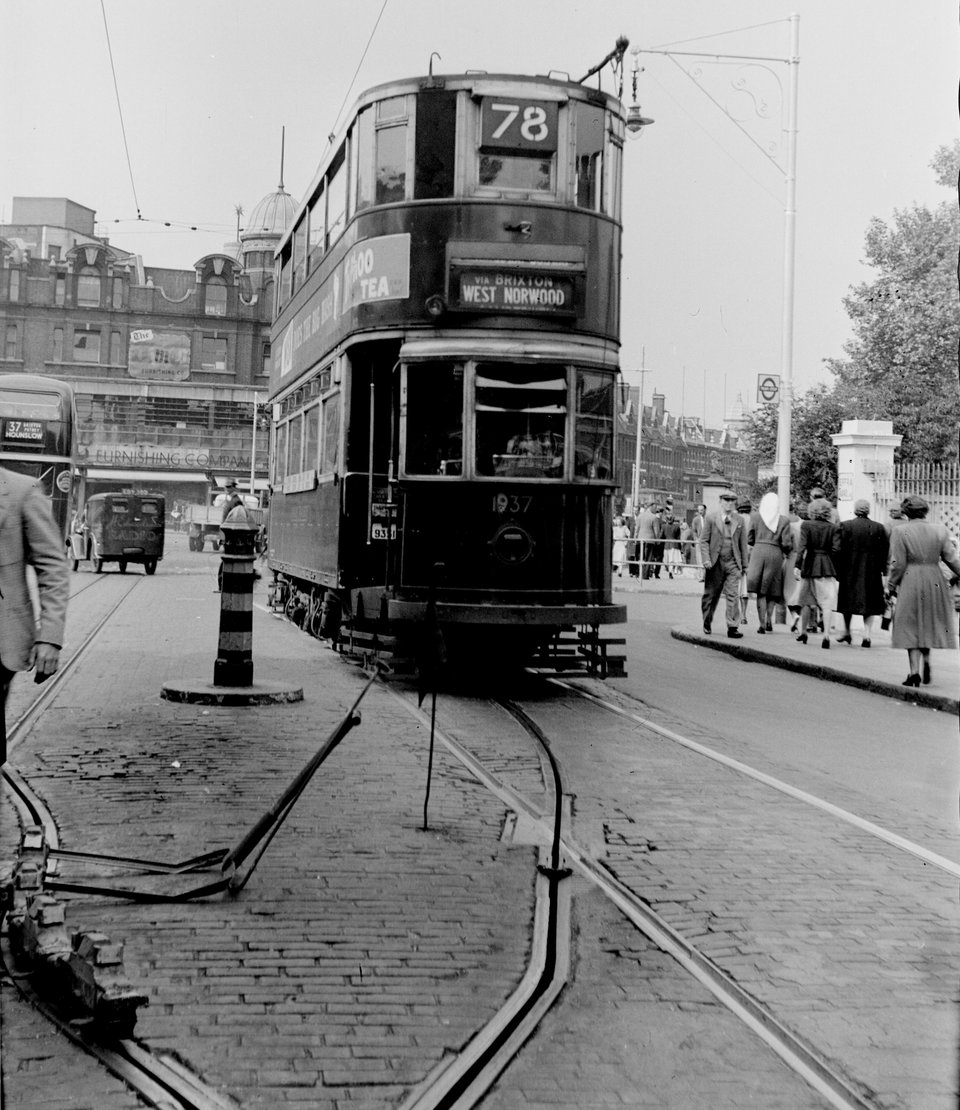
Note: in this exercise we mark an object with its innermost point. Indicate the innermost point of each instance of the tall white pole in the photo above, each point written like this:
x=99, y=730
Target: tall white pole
x=789, y=252
x=635, y=491
x=253, y=447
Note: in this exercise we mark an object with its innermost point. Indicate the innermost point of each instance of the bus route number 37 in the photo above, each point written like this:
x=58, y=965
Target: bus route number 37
x=519, y=125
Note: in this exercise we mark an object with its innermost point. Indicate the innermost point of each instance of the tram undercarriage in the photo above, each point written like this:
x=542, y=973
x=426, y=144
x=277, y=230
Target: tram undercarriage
x=550, y=639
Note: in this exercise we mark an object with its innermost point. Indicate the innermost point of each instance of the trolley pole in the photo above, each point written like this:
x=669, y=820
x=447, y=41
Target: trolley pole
x=234, y=663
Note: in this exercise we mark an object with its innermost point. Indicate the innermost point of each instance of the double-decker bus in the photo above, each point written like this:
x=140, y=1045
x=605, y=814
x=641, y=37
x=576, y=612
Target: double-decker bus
x=445, y=362
x=38, y=423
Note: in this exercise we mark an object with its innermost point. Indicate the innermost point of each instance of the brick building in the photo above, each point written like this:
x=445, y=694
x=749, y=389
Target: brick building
x=166, y=364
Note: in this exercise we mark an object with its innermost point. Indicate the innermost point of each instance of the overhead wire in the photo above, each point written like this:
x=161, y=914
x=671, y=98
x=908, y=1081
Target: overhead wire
x=116, y=89
x=353, y=80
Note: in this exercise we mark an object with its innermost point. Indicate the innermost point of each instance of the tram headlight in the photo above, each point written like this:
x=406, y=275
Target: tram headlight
x=435, y=305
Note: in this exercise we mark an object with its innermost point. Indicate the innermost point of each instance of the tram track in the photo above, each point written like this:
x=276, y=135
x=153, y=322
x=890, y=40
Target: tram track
x=158, y=1079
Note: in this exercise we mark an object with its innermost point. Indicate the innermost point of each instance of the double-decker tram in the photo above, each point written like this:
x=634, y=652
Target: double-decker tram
x=37, y=436
x=446, y=354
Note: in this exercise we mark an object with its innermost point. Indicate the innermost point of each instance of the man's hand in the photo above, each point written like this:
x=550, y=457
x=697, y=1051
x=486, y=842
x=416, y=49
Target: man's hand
x=46, y=658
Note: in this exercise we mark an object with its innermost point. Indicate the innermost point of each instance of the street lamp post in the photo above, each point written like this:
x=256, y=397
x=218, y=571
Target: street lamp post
x=789, y=253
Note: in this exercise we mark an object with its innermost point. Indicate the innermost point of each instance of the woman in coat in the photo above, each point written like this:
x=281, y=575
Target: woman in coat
x=819, y=546
x=864, y=547
x=924, y=616
x=770, y=540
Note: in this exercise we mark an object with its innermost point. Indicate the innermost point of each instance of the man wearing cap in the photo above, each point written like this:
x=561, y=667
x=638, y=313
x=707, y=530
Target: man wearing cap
x=723, y=550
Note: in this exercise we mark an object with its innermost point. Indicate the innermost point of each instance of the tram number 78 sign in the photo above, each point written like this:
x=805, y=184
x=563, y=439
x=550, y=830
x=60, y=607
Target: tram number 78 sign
x=514, y=124
x=768, y=388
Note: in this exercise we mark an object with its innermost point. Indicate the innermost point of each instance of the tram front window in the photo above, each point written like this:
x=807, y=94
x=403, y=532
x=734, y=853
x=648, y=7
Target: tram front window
x=593, y=457
x=521, y=419
x=434, y=419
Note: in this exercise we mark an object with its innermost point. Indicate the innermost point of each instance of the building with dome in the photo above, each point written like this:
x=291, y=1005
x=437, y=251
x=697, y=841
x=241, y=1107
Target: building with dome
x=166, y=365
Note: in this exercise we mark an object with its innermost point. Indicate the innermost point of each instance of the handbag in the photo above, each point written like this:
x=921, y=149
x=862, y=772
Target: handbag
x=887, y=619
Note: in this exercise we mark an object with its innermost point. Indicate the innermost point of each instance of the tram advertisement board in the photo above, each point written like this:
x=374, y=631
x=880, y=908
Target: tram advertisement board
x=375, y=269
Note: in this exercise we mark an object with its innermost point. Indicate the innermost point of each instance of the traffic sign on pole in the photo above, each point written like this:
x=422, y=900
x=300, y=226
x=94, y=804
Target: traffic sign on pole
x=768, y=388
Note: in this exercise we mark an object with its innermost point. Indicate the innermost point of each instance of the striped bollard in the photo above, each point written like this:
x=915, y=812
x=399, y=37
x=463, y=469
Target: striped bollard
x=234, y=664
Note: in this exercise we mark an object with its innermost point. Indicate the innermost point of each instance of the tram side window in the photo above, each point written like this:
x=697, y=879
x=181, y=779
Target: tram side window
x=330, y=456
x=521, y=418
x=336, y=197
x=589, y=164
x=434, y=419
x=317, y=226
x=281, y=456
x=593, y=455
x=311, y=437
x=294, y=441
x=436, y=138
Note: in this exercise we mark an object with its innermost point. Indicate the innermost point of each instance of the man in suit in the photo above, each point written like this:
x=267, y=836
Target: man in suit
x=29, y=537
x=723, y=550
x=649, y=531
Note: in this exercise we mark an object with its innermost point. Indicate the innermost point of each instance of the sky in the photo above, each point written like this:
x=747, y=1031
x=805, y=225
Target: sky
x=207, y=87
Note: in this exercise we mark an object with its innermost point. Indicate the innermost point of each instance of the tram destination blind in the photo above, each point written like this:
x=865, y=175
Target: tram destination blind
x=488, y=290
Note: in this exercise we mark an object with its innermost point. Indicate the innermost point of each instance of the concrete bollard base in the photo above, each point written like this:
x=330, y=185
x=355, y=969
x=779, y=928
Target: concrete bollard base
x=206, y=693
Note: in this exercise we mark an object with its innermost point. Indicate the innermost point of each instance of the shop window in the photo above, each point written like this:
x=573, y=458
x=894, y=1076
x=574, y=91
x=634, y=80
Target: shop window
x=434, y=419
x=88, y=288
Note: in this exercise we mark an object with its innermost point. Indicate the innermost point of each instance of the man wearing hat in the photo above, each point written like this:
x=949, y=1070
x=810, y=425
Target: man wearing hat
x=723, y=550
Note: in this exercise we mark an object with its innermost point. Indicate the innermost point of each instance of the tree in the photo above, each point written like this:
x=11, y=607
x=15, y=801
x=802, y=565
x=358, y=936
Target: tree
x=902, y=364
x=815, y=416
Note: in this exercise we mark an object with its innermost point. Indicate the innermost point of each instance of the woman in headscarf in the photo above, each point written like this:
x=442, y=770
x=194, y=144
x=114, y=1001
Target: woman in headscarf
x=819, y=545
x=924, y=616
x=862, y=564
x=770, y=541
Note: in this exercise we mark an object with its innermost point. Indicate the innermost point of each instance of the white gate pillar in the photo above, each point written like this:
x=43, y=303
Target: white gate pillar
x=864, y=460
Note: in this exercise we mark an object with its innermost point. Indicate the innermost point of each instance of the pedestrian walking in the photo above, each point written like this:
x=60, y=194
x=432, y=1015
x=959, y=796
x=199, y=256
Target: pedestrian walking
x=696, y=530
x=723, y=550
x=924, y=617
x=819, y=546
x=671, y=546
x=864, y=548
x=29, y=537
x=745, y=509
x=771, y=541
x=621, y=533
x=649, y=531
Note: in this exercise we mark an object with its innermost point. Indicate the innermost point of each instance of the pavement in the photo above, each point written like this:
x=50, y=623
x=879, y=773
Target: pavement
x=880, y=668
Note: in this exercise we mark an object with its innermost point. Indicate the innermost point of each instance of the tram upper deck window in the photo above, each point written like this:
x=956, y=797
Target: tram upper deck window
x=317, y=226
x=436, y=144
x=336, y=180
x=521, y=414
x=434, y=408
x=593, y=454
x=518, y=144
x=591, y=133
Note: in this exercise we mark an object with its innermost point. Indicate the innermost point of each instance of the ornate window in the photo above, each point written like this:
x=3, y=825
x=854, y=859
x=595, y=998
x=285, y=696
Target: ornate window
x=88, y=288
x=215, y=298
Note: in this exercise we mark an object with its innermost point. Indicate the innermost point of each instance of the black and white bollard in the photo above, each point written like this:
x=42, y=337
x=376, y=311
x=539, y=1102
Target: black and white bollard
x=234, y=664
x=233, y=670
